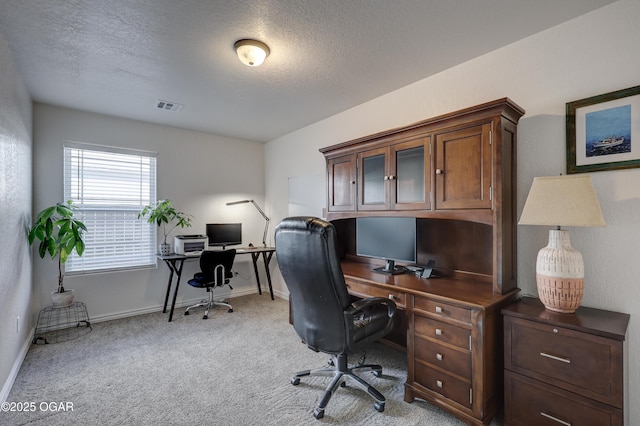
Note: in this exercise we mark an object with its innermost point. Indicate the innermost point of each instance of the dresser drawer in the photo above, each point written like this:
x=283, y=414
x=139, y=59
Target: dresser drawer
x=444, y=357
x=443, y=383
x=443, y=310
x=364, y=290
x=575, y=361
x=530, y=402
x=442, y=332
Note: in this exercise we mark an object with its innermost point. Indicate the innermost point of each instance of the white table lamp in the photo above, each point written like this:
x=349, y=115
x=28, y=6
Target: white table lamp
x=561, y=201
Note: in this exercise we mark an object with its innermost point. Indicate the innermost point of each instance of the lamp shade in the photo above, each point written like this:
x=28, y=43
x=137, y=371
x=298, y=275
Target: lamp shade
x=562, y=201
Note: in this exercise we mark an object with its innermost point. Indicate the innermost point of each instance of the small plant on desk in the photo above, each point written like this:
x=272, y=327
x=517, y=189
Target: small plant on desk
x=164, y=214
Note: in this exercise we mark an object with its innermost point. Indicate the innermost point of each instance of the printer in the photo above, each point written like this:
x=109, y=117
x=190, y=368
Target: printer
x=190, y=245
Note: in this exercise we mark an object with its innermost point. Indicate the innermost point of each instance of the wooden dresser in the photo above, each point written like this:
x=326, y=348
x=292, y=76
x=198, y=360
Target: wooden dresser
x=563, y=369
x=456, y=174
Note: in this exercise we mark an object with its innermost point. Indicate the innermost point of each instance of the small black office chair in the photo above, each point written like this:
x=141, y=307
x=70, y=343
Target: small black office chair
x=323, y=315
x=215, y=271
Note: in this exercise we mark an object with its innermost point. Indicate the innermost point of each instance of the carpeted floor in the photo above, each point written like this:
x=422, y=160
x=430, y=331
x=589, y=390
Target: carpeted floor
x=232, y=369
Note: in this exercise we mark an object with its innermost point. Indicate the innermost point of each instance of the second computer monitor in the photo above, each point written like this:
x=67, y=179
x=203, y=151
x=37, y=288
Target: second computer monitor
x=224, y=234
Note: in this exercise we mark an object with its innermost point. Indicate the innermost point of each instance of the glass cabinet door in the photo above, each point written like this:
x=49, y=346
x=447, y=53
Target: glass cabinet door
x=373, y=180
x=411, y=175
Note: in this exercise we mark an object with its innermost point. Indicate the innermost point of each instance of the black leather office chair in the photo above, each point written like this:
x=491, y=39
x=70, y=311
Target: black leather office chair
x=215, y=271
x=323, y=315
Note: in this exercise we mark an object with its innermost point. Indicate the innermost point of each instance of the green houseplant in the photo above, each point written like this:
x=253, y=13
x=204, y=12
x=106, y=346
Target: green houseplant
x=164, y=214
x=59, y=233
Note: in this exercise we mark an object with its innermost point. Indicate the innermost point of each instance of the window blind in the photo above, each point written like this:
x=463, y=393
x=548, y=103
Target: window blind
x=109, y=186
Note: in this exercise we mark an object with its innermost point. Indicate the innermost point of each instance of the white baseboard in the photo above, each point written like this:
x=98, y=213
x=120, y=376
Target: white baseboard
x=8, y=384
x=181, y=304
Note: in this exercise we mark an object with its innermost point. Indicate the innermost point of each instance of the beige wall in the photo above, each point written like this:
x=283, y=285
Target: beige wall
x=197, y=171
x=15, y=210
x=541, y=73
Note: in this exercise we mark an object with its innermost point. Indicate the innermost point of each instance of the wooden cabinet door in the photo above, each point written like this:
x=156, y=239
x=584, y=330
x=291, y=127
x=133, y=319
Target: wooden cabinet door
x=341, y=183
x=373, y=179
x=410, y=175
x=463, y=168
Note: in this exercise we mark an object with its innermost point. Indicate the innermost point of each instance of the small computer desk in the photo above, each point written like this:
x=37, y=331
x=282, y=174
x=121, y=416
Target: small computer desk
x=175, y=262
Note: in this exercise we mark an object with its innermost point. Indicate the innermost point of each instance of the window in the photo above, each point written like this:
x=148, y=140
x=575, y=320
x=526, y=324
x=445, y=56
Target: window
x=109, y=186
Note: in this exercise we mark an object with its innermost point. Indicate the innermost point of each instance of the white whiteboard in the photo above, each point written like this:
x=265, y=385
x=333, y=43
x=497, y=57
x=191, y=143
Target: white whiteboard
x=307, y=195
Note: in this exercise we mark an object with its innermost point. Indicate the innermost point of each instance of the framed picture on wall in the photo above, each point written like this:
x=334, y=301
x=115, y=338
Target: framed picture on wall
x=603, y=132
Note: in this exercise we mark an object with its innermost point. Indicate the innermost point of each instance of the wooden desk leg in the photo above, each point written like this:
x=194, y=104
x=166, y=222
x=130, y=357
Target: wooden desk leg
x=166, y=297
x=254, y=257
x=267, y=258
x=177, y=265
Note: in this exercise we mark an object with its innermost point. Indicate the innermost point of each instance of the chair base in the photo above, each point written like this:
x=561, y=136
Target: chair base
x=208, y=304
x=341, y=373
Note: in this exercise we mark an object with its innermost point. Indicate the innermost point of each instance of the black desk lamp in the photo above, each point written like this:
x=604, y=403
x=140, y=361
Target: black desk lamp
x=266, y=218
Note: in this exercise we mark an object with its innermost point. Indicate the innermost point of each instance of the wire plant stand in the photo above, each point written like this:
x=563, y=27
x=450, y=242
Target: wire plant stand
x=62, y=324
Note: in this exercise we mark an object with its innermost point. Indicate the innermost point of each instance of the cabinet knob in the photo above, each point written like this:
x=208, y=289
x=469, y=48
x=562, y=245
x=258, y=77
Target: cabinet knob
x=391, y=297
x=438, y=171
x=439, y=357
x=438, y=332
x=438, y=309
x=439, y=384
x=353, y=182
x=386, y=178
x=392, y=177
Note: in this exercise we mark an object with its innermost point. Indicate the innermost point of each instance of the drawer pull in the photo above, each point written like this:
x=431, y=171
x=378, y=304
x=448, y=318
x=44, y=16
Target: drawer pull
x=555, y=419
x=438, y=309
x=391, y=297
x=439, y=357
x=439, y=384
x=438, y=332
x=557, y=358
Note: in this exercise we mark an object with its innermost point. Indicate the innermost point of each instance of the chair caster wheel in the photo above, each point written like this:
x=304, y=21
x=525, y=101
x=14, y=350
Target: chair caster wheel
x=379, y=406
x=230, y=310
x=318, y=413
x=205, y=316
x=295, y=381
x=186, y=313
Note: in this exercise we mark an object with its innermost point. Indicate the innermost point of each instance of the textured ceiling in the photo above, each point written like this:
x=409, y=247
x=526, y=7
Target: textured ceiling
x=120, y=57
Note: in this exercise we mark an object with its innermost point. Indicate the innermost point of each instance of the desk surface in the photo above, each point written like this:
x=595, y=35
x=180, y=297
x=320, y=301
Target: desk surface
x=239, y=250
x=468, y=291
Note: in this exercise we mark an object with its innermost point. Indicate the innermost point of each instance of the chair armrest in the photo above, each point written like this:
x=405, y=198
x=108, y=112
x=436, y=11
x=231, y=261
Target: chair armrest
x=356, y=322
x=362, y=304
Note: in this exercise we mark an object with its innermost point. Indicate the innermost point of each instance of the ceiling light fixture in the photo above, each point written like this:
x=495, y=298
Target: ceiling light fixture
x=251, y=52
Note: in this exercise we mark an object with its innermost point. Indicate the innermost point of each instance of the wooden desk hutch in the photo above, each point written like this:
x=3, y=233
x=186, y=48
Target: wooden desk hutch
x=456, y=174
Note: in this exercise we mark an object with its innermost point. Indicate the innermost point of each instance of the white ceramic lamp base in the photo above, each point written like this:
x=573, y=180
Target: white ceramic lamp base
x=560, y=274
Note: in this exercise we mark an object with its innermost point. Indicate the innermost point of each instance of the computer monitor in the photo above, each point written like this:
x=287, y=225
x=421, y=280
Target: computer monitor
x=389, y=238
x=224, y=234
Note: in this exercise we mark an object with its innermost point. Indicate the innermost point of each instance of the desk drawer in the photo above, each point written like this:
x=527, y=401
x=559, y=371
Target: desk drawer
x=574, y=361
x=364, y=290
x=530, y=402
x=442, y=332
x=443, y=310
x=444, y=357
x=443, y=383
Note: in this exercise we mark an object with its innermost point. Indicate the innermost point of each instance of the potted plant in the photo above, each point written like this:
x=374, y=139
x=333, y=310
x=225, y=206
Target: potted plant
x=164, y=214
x=59, y=233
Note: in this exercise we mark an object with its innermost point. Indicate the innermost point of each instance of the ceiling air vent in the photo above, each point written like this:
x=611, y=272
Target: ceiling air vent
x=169, y=106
